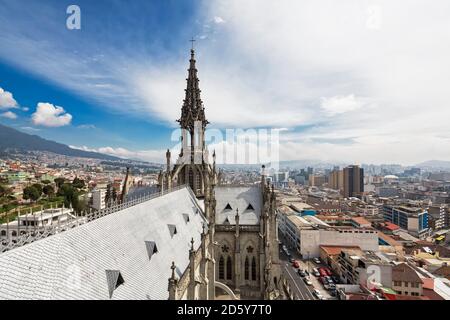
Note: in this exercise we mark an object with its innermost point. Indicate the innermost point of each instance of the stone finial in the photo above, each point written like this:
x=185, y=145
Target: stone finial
x=192, y=244
x=173, y=267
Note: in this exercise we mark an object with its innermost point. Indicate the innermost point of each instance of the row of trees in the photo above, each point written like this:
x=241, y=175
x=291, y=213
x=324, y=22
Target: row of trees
x=68, y=191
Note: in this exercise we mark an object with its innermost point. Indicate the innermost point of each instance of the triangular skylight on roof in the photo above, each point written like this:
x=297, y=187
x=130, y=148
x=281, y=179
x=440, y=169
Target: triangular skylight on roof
x=114, y=279
x=228, y=207
x=186, y=217
x=151, y=248
x=250, y=207
x=172, y=229
x=226, y=221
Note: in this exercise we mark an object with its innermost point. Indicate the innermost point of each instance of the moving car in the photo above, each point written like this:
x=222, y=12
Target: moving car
x=301, y=273
x=317, y=294
x=307, y=281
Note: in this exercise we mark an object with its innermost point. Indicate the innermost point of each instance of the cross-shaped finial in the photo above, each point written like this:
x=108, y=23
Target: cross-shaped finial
x=192, y=40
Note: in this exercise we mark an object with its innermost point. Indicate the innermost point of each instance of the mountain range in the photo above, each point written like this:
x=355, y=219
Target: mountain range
x=12, y=139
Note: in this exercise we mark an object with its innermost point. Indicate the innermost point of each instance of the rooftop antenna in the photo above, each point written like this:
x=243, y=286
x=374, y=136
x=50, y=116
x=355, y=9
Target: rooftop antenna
x=192, y=41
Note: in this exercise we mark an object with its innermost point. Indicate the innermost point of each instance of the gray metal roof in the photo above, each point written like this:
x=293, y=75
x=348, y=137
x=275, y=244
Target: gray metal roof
x=86, y=261
x=230, y=198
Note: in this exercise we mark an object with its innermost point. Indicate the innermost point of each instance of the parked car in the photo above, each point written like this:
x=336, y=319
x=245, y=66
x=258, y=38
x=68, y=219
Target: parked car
x=322, y=272
x=322, y=280
x=284, y=248
x=307, y=281
x=295, y=264
x=328, y=271
x=317, y=294
x=332, y=287
x=335, y=279
x=329, y=280
x=316, y=260
x=301, y=273
x=291, y=260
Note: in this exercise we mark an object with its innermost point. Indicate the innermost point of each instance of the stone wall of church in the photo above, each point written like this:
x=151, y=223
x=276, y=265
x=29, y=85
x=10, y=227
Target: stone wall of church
x=249, y=259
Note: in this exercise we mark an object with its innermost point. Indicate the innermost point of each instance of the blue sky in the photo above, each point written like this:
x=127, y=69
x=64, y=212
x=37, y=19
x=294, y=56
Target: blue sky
x=345, y=81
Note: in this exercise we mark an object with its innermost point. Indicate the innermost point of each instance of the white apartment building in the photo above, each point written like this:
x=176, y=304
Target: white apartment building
x=306, y=234
x=98, y=199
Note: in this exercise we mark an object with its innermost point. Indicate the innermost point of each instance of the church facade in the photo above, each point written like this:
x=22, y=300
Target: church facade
x=238, y=254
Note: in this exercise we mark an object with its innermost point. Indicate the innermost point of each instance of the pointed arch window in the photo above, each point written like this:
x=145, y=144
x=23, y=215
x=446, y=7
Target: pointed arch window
x=229, y=268
x=191, y=179
x=221, y=268
x=254, y=269
x=246, y=269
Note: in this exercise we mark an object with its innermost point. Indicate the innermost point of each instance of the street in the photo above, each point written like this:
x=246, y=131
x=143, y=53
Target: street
x=302, y=290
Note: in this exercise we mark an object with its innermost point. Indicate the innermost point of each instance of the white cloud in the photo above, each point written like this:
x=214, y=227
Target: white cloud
x=30, y=129
x=306, y=64
x=86, y=126
x=25, y=109
x=7, y=100
x=340, y=104
x=48, y=115
x=219, y=20
x=9, y=115
x=157, y=156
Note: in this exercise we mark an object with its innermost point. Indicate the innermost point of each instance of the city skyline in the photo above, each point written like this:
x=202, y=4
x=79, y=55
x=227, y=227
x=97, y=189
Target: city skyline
x=121, y=87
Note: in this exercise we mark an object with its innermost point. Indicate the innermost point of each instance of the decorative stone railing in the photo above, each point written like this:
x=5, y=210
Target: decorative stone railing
x=38, y=233
x=232, y=228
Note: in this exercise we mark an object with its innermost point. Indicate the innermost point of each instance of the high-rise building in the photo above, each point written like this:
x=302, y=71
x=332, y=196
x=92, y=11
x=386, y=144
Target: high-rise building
x=353, y=181
x=336, y=179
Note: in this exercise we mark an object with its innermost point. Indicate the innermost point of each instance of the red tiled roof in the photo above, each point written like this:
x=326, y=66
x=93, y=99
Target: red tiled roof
x=403, y=272
x=391, y=226
x=388, y=239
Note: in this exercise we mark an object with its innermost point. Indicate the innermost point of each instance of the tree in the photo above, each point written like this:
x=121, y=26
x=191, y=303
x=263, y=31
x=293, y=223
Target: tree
x=30, y=193
x=48, y=190
x=59, y=182
x=2, y=191
x=78, y=183
x=38, y=187
x=70, y=195
x=46, y=182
